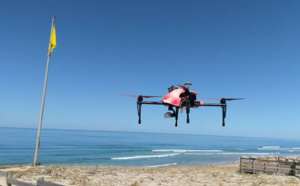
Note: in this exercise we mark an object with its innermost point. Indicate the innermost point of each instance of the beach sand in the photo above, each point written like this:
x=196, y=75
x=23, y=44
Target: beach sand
x=144, y=176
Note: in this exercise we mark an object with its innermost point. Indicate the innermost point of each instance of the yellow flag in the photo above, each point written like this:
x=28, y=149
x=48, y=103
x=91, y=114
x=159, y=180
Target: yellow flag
x=53, y=39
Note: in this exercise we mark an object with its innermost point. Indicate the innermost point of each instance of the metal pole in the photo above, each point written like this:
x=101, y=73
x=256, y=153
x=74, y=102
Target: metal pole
x=43, y=102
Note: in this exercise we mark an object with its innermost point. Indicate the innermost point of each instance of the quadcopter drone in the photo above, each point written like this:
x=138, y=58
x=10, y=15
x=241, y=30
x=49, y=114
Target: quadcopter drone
x=181, y=98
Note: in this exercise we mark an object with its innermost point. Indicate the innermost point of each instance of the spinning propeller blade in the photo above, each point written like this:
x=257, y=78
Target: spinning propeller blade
x=227, y=99
x=232, y=99
x=140, y=96
x=151, y=96
x=183, y=87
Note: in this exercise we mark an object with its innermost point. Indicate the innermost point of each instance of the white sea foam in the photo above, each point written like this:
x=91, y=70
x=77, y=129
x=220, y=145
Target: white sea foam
x=295, y=148
x=144, y=156
x=163, y=165
x=240, y=149
x=230, y=153
x=245, y=153
x=201, y=153
x=184, y=150
x=270, y=147
x=278, y=148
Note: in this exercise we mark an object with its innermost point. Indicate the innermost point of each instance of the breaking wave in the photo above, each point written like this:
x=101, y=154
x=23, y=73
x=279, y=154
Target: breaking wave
x=245, y=153
x=231, y=153
x=201, y=153
x=144, y=156
x=278, y=148
x=185, y=150
x=163, y=165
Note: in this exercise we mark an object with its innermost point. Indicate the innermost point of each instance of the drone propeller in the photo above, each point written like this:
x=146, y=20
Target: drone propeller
x=223, y=100
x=184, y=88
x=227, y=99
x=140, y=96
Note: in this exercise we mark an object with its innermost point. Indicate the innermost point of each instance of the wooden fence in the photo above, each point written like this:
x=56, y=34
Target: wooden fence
x=10, y=181
x=267, y=165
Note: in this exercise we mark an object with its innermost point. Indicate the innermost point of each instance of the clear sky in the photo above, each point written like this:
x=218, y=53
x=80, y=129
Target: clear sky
x=234, y=48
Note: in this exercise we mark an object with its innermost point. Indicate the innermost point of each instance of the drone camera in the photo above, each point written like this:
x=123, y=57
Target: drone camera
x=169, y=115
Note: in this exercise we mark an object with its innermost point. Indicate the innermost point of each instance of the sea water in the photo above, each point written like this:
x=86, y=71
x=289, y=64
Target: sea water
x=80, y=147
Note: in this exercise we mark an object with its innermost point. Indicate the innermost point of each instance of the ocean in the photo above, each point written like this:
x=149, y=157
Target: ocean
x=81, y=147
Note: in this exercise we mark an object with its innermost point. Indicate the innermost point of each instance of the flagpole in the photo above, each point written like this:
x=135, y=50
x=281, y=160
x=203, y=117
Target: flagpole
x=43, y=99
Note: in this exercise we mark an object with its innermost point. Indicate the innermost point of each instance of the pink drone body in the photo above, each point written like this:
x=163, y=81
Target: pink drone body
x=176, y=97
x=181, y=98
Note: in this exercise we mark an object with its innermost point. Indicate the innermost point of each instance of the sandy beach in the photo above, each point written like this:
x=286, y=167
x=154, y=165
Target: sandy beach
x=134, y=176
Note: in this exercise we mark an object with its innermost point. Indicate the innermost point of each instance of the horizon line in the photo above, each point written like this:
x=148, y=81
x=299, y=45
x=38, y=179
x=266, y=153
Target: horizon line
x=98, y=130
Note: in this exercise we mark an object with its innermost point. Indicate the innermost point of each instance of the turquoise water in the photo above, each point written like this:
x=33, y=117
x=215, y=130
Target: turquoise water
x=71, y=147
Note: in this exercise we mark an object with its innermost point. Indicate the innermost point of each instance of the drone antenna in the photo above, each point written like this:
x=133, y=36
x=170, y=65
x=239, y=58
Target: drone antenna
x=188, y=84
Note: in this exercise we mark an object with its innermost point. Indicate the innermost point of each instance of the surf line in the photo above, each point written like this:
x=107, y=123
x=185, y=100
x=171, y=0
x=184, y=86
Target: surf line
x=144, y=156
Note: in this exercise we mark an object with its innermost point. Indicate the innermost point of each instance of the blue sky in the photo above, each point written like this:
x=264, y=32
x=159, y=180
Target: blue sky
x=105, y=48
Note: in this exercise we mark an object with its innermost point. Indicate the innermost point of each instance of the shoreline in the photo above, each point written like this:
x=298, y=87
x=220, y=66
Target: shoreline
x=209, y=175
x=97, y=165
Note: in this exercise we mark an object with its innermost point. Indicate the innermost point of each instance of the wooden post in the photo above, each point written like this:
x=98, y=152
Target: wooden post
x=265, y=167
x=9, y=175
x=278, y=167
x=253, y=166
x=294, y=168
x=241, y=165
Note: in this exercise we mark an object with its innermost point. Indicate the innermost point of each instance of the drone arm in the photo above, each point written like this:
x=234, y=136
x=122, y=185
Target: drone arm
x=201, y=104
x=222, y=105
x=139, y=107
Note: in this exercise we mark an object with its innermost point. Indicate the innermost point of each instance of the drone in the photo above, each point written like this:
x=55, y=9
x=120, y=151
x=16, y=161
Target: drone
x=181, y=98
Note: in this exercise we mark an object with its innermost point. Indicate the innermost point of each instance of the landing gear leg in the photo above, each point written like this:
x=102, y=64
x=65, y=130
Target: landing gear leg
x=176, y=116
x=223, y=115
x=187, y=115
x=139, y=112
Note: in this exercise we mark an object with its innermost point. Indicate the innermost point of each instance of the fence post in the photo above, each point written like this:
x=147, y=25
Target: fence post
x=241, y=165
x=253, y=166
x=294, y=168
x=9, y=175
